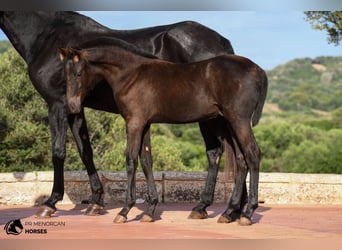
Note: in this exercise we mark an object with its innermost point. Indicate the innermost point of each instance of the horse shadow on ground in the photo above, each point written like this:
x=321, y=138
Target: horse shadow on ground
x=214, y=211
x=27, y=212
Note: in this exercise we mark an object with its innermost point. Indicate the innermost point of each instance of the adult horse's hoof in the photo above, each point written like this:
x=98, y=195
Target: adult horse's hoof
x=198, y=215
x=45, y=212
x=93, y=209
x=223, y=219
x=120, y=219
x=146, y=218
x=244, y=221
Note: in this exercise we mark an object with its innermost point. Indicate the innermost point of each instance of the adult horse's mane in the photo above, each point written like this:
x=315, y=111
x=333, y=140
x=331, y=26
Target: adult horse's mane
x=74, y=18
x=114, y=42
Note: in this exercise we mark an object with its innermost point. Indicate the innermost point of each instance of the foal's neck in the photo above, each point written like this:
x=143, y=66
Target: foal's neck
x=115, y=64
x=115, y=57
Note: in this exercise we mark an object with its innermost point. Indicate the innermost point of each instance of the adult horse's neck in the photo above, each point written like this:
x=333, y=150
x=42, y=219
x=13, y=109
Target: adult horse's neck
x=29, y=31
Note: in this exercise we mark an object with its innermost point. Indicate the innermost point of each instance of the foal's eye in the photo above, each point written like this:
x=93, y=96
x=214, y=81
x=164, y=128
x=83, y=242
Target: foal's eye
x=78, y=74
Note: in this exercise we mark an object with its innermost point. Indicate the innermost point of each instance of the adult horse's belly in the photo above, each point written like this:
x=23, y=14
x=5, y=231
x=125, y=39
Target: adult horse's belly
x=101, y=98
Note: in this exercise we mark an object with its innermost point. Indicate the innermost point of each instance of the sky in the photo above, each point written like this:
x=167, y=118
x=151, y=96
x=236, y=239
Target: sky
x=269, y=38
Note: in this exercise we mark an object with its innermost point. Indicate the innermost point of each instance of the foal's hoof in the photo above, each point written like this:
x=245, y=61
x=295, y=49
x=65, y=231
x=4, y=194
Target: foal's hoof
x=198, y=215
x=244, y=221
x=224, y=219
x=93, y=209
x=146, y=218
x=45, y=212
x=120, y=219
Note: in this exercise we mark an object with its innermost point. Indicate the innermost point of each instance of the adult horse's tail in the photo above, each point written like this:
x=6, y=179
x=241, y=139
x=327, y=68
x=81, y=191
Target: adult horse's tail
x=261, y=101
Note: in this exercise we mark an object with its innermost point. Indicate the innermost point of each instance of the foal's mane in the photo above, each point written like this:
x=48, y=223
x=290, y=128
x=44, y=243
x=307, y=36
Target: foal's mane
x=114, y=42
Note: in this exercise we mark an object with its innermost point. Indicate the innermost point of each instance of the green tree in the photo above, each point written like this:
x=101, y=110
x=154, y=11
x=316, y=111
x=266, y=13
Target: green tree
x=315, y=156
x=305, y=84
x=166, y=154
x=24, y=132
x=4, y=46
x=337, y=117
x=330, y=21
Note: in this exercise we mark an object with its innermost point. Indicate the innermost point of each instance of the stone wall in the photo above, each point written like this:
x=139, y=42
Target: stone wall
x=274, y=188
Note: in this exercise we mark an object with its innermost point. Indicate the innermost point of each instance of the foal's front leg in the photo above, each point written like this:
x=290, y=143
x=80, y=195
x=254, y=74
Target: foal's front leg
x=134, y=130
x=79, y=129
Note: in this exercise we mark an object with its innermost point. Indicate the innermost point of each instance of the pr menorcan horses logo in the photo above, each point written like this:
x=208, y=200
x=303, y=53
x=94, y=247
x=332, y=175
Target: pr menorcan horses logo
x=14, y=227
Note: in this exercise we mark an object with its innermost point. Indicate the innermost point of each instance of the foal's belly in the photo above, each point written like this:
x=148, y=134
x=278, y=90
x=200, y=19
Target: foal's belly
x=185, y=114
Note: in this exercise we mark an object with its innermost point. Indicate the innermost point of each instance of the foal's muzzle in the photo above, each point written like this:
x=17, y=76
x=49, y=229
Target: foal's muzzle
x=74, y=105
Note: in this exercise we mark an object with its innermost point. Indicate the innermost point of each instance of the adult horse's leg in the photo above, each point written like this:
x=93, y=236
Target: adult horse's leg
x=58, y=126
x=214, y=149
x=134, y=131
x=79, y=129
x=213, y=132
x=146, y=163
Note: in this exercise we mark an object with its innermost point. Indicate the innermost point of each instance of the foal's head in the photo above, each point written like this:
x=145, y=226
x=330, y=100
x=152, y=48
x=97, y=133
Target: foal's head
x=78, y=76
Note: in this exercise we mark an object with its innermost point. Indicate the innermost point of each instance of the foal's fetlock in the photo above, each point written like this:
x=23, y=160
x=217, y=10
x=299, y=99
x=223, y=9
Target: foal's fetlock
x=49, y=204
x=148, y=216
x=48, y=208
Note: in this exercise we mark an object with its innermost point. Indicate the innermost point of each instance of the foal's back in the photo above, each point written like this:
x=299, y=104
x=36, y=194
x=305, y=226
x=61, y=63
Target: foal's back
x=190, y=92
x=227, y=73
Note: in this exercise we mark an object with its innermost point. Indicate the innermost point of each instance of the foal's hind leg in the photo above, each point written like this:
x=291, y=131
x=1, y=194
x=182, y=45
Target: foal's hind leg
x=79, y=129
x=214, y=148
x=146, y=162
x=241, y=164
x=238, y=198
x=251, y=152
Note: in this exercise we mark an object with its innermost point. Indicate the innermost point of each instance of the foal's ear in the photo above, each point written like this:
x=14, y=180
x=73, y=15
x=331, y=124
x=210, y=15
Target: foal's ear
x=62, y=53
x=76, y=55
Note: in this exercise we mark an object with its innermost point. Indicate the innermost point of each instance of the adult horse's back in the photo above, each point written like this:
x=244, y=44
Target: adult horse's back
x=37, y=35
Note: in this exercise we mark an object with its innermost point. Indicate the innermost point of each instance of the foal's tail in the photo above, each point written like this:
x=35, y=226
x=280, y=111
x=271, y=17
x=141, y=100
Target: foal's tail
x=261, y=101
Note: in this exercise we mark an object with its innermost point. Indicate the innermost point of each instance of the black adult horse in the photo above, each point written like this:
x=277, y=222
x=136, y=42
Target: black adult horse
x=148, y=90
x=37, y=35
